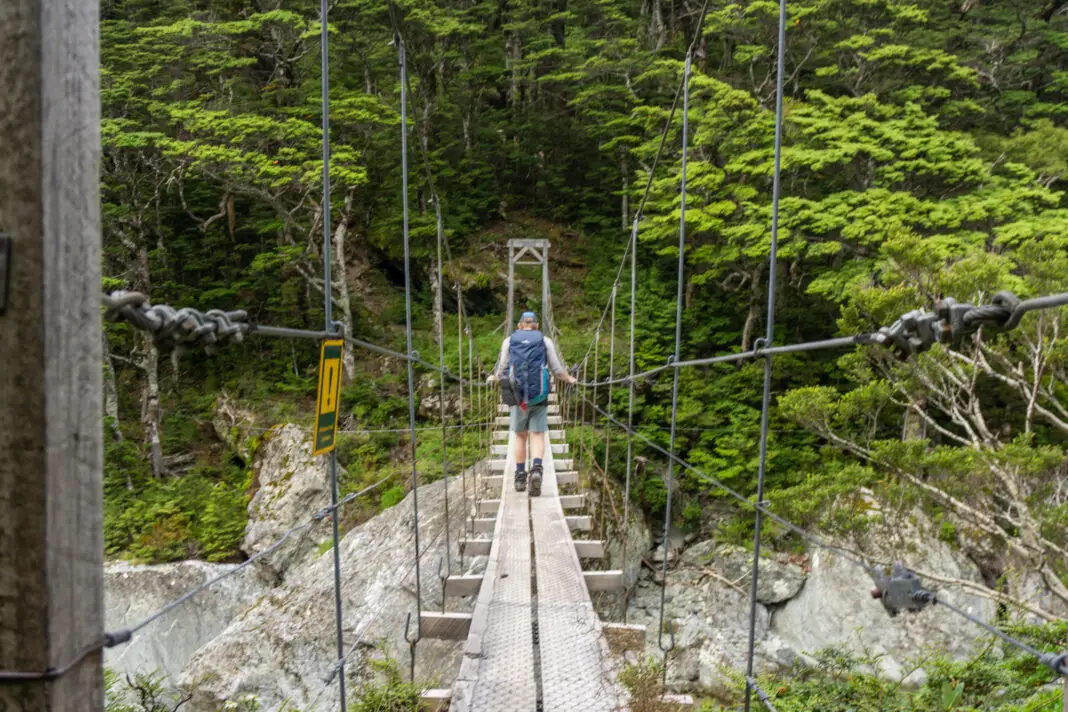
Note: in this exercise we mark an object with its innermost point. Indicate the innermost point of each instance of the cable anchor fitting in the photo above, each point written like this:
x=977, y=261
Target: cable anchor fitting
x=950, y=323
x=901, y=590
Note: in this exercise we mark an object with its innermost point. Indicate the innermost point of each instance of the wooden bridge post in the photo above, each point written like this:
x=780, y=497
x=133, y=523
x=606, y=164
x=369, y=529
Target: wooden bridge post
x=509, y=325
x=51, y=421
x=546, y=310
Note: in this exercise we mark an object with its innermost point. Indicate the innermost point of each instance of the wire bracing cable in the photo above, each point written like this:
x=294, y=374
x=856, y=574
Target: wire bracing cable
x=413, y=640
x=765, y=407
x=666, y=649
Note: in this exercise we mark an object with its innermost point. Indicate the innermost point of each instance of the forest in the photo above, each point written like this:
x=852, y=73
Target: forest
x=925, y=155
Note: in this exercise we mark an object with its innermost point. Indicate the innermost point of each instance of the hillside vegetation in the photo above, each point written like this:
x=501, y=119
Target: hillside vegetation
x=925, y=155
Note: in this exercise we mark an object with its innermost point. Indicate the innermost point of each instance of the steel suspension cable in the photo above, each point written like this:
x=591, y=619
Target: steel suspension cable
x=611, y=375
x=328, y=299
x=1058, y=662
x=440, y=316
x=640, y=212
x=460, y=368
x=582, y=430
x=592, y=449
x=769, y=336
x=480, y=415
x=630, y=413
x=339, y=664
x=412, y=640
x=121, y=636
x=678, y=345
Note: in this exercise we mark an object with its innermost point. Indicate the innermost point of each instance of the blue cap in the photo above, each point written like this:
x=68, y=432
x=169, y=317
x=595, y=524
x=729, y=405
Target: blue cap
x=528, y=315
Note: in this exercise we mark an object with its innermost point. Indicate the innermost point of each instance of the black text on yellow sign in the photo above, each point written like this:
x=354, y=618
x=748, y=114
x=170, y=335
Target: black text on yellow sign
x=329, y=396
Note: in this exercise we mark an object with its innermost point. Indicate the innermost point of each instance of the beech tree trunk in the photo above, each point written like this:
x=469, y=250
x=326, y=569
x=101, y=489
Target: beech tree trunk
x=341, y=283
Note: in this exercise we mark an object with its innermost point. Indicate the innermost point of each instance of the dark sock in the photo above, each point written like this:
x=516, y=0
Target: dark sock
x=521, y=468
x=537, y=462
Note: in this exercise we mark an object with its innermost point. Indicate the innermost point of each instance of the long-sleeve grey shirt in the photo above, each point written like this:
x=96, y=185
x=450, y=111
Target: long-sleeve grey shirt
x=555, y=364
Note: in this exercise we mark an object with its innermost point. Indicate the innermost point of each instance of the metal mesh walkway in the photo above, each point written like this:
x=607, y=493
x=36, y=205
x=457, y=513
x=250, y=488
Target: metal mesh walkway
x=575, y=664
x=498, y=672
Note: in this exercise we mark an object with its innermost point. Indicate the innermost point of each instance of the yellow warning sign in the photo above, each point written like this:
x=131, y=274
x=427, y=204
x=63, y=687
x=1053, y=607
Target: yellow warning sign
x=327, y=400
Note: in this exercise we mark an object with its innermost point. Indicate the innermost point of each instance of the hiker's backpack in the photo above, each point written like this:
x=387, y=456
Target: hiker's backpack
x=528, y=374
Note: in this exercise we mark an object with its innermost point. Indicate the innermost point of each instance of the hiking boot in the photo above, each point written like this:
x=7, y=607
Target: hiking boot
x=535, y=481
x=521, y=481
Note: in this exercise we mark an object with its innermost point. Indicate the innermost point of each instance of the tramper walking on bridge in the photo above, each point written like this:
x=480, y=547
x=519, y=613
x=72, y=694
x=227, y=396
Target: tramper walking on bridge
x=522, y=369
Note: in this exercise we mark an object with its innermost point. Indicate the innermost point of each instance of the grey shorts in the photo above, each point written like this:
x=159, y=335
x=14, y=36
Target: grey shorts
x=534, y=420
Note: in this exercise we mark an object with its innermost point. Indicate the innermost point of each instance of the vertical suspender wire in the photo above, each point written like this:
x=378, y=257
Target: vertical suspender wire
x=582, y=416
x=466, y=419
x=476, y=494
x=412, y=640
x=630, y=415
x=608, y=407
x=460, y=370
x=678, y=340
x=441, y=378
x=769, y=334
x=471, y=386
x=481, y=416
x=328, y=292
x=592, y=452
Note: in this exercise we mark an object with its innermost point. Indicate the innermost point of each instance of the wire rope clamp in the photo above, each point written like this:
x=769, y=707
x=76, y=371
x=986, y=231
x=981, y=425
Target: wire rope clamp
x=5, y=270
x=901, y=590
x=1058, y=662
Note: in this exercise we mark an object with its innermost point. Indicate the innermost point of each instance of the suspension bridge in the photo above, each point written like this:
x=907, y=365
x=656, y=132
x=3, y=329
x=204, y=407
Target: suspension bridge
x=534, y=640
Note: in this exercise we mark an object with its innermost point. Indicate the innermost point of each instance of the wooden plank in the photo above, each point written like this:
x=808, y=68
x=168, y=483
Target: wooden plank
x=493, y=482
x=476, y=547
x=489, y=506
x=603, y=580
x=565, y=465
x=463, y=585
x=567, y=478
x=51, y=454
x=581, y=524
x=623, y=637
x=436, y=700
x=589, y=548
x=496, y=465
x=445, y=626
x=485, y=524
x=573, y=501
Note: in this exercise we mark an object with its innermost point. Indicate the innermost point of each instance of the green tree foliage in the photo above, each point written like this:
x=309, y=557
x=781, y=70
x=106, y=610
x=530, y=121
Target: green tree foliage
x=923, y=156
